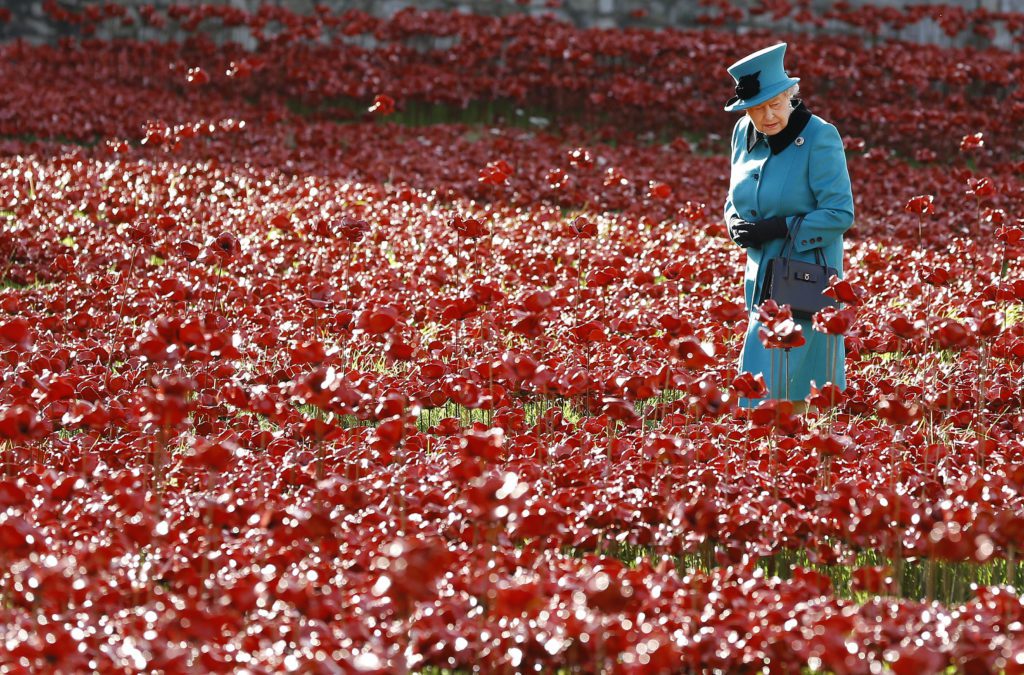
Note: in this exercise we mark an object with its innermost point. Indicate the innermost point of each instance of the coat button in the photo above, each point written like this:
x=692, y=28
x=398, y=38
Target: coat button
x=803, y=241
x=753, y=212
x=756, y=176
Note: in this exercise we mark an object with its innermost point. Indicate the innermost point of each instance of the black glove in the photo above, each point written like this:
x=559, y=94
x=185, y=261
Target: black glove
x=747, y=234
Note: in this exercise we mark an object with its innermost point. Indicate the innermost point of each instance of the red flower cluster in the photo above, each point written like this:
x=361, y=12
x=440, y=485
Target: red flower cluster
x=325, y=388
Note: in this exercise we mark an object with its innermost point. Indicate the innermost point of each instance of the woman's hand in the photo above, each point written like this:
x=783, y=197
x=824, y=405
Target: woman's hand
x=747, y=234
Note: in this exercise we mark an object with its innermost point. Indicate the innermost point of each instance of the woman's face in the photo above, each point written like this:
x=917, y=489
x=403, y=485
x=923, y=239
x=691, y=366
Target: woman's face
x=771, y=116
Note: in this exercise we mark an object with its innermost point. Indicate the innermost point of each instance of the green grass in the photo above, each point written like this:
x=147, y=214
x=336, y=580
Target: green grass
x=65, y=434
x=506, y=112
x=7, y=283
x=1014, y=314
x=344, y=421
x=951, y=583
x=477, y=112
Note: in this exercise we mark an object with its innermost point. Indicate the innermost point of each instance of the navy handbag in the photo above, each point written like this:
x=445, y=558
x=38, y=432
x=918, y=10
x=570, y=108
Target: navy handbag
x=798, y=283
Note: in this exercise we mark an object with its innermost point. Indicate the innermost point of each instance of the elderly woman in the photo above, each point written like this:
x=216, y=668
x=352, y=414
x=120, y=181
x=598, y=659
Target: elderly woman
x=786, y=163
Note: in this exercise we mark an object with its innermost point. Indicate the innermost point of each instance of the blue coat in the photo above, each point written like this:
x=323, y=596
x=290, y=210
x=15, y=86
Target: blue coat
x=802, y=171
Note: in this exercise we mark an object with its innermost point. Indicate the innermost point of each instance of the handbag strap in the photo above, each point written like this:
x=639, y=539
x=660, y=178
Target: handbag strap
x=787, y=248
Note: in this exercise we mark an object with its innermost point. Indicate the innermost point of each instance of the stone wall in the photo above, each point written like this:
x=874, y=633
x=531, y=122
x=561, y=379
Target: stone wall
x=29, y=21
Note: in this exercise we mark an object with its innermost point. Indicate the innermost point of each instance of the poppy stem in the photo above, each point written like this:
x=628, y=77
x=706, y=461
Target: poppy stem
x=930, y=578
x=955, y=585
x=211, y=482
x=664, y=393
x=319, y=453
x=579, y=285
x=979, y=408
x=707, y=553
x=787, y=374
x=7, y=267
x=834, y=354
x=898, y=565
x=586, y=393
x=977, y=210
x=490, y=393
x=188, y=284
x=158, y=458
x=931, y=415
x=120, y=314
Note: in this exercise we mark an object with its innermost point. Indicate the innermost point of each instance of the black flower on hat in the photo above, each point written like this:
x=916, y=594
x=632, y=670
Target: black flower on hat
x=749, y=86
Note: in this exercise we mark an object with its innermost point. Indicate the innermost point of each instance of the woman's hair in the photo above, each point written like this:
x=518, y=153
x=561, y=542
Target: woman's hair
x=790, y=94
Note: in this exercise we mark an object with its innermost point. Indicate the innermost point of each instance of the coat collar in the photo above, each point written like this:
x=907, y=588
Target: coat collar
x=798, y=120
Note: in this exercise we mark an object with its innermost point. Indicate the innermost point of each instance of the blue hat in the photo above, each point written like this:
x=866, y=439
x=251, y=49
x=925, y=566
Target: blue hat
x=759, y=78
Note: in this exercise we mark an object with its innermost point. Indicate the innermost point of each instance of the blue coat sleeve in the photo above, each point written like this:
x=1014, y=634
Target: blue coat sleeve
x=830, y=184
x=730, y=210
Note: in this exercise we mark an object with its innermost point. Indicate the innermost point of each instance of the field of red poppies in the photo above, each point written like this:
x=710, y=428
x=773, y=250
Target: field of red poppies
x=409, y=345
